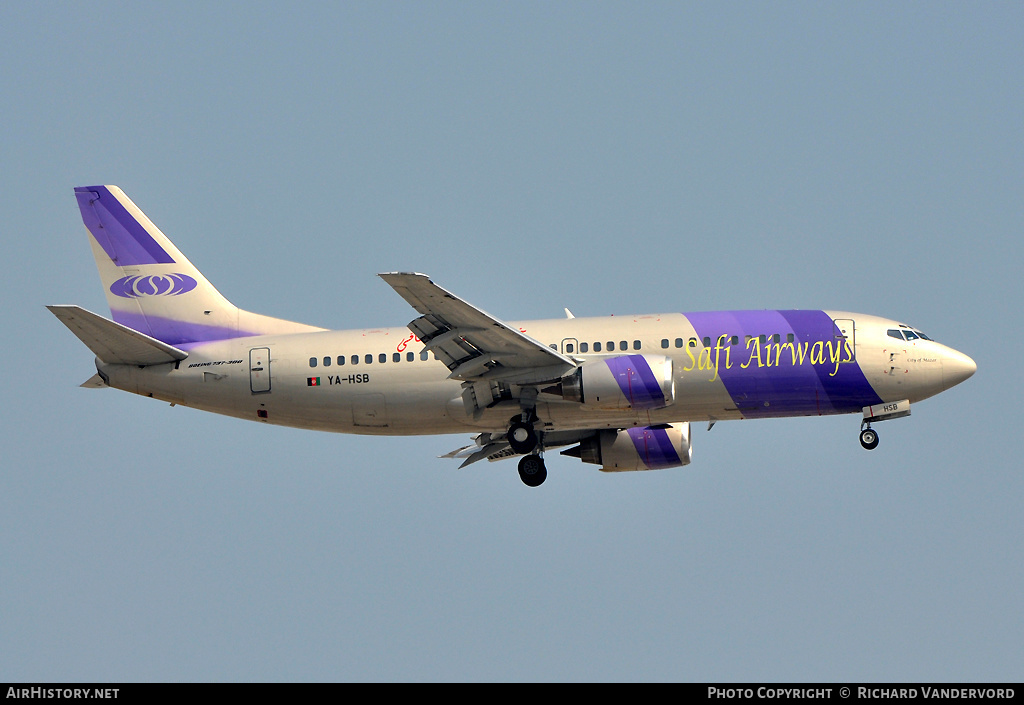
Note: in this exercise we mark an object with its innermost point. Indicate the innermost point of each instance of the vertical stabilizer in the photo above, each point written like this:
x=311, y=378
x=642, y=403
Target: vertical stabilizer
x=151, y=287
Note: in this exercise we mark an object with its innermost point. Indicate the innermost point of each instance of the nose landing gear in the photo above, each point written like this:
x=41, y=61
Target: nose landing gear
x=868, y=437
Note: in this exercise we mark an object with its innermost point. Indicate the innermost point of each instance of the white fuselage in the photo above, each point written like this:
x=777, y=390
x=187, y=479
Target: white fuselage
x=386, y=387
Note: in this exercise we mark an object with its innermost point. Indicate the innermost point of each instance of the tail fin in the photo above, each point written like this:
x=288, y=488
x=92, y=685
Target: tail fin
x=151, y=287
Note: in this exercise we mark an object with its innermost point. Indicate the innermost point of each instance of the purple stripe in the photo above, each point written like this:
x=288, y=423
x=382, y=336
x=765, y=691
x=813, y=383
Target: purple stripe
x=177, y=333
x=776, y=384
x=845, y=386
x=637, y=381
x=654, y=447
x=120, y=235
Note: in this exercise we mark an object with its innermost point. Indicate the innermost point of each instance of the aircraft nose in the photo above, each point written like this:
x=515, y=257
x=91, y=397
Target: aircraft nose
x=956, y=367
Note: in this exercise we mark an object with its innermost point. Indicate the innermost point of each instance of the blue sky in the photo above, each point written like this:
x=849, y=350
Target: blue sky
x=608, y=157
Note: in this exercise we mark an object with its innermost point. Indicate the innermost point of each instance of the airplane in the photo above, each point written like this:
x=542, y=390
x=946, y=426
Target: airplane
x=620, y=392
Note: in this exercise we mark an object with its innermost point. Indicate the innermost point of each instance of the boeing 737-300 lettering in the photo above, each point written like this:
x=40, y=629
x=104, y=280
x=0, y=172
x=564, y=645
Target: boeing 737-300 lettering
x=618, y=392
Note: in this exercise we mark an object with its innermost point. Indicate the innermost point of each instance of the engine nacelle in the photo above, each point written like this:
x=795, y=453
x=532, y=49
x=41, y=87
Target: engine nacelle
x=644, y=448
x=624, y=382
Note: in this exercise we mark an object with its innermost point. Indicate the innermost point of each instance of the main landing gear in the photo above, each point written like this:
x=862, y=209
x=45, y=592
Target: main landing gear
x=868, y=437
x=524, y=440
x=521, y=436
x=532, y=470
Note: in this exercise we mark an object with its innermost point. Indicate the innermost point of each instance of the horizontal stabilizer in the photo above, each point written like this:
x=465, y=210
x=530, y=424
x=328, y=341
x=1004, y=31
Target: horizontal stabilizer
x=114, y=343
x=94, y=382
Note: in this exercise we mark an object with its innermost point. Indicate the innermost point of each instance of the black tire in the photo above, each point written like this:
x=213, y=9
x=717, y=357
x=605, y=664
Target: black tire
x=869, y=438
x=521, y=437
x=532, y=470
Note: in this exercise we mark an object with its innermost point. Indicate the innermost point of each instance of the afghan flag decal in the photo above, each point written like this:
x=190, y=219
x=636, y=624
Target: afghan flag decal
x=312, y=381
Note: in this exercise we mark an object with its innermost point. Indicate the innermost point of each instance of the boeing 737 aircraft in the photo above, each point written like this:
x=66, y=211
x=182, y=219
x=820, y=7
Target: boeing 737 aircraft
x=619, y=392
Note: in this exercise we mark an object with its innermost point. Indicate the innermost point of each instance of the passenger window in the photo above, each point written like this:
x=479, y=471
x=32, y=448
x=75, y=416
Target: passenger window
x=664, y=342
x=679, y=342
x=623, y=345
x=410, y=356
x=327, y=361
x=763, y=339
x=693, y=342
x=423, y=355
x=636, y=345
x=707, y=342
x=569, y=347
x=552, y=346
x=611, y=346
x=355, y=359
x=776, y=338
x=584, y=347
x=368, y=359
x=382, y=358
x=312, y=362
x=597, y=347
x=341, y=359
x=396, y=357
x=790, y=337
x=735, y=340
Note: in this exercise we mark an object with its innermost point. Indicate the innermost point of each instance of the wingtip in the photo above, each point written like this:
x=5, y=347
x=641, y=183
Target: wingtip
x=385, y=275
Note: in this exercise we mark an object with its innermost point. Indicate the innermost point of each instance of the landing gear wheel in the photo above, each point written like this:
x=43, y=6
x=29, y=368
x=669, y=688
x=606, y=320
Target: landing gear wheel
x=869, y=438
x=532, y=471
x=521, y=437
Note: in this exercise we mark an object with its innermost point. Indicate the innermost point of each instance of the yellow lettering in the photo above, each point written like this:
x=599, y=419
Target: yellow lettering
x=704, y=359
x=833, y=355
x=755, y=354
x=799, y=352
x=718, y=352
x=818, y=353
x=693, y=360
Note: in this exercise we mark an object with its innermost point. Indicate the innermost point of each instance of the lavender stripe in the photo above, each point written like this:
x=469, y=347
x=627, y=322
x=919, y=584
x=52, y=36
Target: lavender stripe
x=654, y=447
x=177, y=333
x=784, y=388
x=120, y=235
x=848, y=389
x=637, y=381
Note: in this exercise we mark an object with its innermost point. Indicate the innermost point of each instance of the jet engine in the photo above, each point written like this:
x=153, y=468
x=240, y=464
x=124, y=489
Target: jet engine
x=617, y=383
x=643, y=448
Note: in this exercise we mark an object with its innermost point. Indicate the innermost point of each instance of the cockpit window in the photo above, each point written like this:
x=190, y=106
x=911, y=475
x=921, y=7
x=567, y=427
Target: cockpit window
x=906, y=332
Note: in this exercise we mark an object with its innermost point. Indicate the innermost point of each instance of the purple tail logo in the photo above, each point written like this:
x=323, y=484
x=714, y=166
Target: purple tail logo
x=152, y=285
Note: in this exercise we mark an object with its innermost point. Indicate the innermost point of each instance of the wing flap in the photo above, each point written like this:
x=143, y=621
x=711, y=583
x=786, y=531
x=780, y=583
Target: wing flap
x=473, y=344
x=114, y=343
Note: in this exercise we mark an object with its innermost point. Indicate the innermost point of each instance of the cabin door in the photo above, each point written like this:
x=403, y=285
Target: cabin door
x=259, y=370
x=845, y=330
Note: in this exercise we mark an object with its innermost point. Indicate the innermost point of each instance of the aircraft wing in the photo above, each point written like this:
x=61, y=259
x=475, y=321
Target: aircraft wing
x=474, y=345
